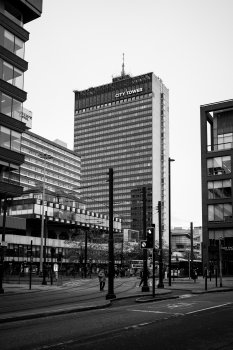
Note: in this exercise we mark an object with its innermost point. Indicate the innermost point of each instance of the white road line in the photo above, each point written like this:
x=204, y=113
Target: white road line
x=154, y=312
x=208, y=308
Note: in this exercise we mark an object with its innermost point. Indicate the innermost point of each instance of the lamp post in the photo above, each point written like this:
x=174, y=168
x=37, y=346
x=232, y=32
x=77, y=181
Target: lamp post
x=169, y=219
x=45, y=157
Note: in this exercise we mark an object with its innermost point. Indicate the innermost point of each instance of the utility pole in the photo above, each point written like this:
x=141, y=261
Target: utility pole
x=160, y=285
x=110, y=294
x=169, y=219
x=85, y=256
x=3, y=245
x=145, y=287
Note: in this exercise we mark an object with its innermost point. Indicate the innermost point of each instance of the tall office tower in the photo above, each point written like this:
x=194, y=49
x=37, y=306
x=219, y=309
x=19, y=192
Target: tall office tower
x=216, y=158
x=13, y=15
x=124, y=125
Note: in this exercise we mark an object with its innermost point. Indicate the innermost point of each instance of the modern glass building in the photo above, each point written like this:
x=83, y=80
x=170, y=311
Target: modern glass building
x=13, y=36
x=124, y=125
x=216, y=157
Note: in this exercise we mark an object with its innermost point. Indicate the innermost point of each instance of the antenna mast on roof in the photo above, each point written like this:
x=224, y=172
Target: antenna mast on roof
x=123, y=66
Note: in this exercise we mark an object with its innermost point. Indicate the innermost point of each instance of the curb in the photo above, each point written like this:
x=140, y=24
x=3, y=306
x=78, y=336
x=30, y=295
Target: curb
x=28, y=316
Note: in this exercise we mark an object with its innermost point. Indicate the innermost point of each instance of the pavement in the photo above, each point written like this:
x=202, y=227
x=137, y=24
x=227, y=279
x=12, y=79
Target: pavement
x=20, y=303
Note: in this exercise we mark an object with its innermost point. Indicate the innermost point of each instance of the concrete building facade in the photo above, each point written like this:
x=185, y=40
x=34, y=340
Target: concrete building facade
x=124, y=125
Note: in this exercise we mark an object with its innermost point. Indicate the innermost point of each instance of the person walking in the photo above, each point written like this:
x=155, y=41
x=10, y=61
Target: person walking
x=102, y=279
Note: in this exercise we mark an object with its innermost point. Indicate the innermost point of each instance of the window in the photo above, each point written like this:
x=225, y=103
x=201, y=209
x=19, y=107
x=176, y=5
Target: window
x=225, y=141
x=15, y=141
x=11, y=42
x=11, y=107
x=219, y=165
x=10, y=139
x=4, y=137
x=220, y=212
x=11, y=74
x=219, y=189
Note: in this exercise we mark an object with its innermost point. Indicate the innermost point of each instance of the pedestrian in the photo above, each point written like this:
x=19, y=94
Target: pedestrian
x=142, y=276
x=102, y=279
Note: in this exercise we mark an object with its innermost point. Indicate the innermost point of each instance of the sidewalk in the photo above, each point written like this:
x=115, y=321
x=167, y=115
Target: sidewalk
x=16, y=295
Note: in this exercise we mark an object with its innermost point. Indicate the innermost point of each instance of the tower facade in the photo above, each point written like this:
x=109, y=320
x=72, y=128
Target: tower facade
x=124, y=125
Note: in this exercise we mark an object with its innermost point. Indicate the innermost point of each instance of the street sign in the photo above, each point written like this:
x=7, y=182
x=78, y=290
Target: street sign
x=3, y=244
x=143, y=244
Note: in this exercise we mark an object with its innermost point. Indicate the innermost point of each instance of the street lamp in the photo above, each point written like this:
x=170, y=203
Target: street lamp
x=169, y=219
x=45, y=157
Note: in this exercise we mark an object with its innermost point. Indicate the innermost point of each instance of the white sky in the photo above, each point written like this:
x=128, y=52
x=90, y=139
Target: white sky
x=77, y=44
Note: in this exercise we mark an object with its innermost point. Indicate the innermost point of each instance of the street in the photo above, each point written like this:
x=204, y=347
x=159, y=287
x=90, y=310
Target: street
x=189, y=322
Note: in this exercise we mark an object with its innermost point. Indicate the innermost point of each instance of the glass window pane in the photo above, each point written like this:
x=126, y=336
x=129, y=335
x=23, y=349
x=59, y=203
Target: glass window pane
x=218, y=212
x=8, y=41
x=18, y=78
x=15, y=141
x=210, y=166
x=217, y=189
x=6, y=104
x=226, y=164
x=4, y=137
x=217, y=166
x=1, y=36
x=227, y=189
x=19, y=47
x=7, y=72
x=227, y=212
x=17, y=109
x=210, y=213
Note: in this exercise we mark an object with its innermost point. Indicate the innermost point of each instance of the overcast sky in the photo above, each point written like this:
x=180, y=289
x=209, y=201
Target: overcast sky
x=77, y=44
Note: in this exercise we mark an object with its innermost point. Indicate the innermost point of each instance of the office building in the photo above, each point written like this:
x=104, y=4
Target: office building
x=181, y=242
x=50, y=164
x=124, y=125
x=216, y=163
x=13, y=36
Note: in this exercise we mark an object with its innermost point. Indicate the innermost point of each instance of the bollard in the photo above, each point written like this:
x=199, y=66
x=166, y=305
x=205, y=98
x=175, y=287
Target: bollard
x=206, y=282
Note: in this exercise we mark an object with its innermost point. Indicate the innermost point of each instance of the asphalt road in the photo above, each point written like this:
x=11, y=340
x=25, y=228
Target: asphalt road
x=188, y=323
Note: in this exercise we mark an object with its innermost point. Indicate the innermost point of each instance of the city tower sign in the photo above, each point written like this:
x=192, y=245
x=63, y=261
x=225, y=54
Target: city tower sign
x=128, y=92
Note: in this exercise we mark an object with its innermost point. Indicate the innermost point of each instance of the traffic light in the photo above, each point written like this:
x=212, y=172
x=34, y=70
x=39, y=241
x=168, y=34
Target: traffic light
x=150, y=237
x=143, y=244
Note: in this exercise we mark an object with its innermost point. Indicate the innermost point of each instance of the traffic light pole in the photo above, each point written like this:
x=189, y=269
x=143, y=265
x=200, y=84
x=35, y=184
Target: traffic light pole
x=145, y=287
x=160, y=285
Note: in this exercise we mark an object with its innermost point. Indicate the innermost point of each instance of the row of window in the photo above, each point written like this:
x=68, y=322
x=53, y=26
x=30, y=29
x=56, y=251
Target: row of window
x=108, y=125
x=11, y=74
x=122, y=141
x=144, y=102
x=53, y=161
x=113, y=103
x=114, y=115
x=10, y=106
x=11, y=42
x=10, y=139
x=55, y=151
x=99, y=134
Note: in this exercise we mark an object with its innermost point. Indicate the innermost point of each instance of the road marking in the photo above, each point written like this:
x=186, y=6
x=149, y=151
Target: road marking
x=154, y=312
x=184, y=296
x=173, y=306
x=208, y=308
